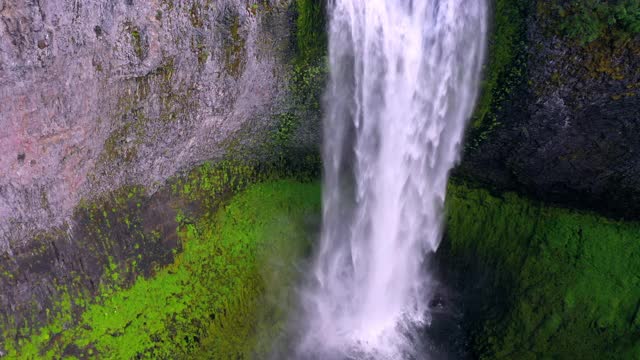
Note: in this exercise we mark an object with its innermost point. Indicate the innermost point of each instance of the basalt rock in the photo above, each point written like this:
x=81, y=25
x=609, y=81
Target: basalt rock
x=565, y=129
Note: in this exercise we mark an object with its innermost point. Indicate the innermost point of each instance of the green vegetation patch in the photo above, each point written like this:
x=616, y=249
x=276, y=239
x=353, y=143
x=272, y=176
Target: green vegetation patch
x=297, y=125
x=570, y=280
x=505, y=66
x=135, y=120
x=306, y=87
x=225, y=296
x=311, y=34
x=589, y=20
x=138, y=42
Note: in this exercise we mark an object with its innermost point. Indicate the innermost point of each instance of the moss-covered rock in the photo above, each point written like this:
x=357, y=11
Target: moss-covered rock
x=224, y=296
x=505, y=68
x=590, y=20
x=310, y=33
x=557, y=115
x=544, y=282
x=540, y=279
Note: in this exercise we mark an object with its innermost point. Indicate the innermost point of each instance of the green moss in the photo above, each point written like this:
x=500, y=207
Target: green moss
x=132, y=131
x=168, y=4
x=116, y=147
x=210, y=184
x=195, y=14
x=100, y=227
x=589, y=20
x=612, y=24
x=286, y=126
x=235, y=49
x=262, y=7
x=308, y=84
x=570, y=281
x=306, y=87
x=311, y=38
x=309, y=74
x=505, y=66
x=203, y=54
x=235, y=272
x=265, y=227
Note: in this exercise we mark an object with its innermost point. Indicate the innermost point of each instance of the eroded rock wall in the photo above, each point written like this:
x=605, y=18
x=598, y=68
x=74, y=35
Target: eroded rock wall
x=101, y=102
x=99, y=94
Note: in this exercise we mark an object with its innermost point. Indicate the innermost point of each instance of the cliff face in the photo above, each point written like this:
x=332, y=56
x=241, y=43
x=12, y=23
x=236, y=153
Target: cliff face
x=101, y=104
x=563, y=115
x=96, y=95
x=557, y=122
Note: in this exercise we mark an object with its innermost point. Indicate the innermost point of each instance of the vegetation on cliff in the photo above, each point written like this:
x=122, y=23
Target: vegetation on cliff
x=561, y=283
x=603, y=27
x=225, y=296
x=553, y=277
x=505, y=66
x=309, y=72
x=556, y=283
x=589, y=20
x=311, y=37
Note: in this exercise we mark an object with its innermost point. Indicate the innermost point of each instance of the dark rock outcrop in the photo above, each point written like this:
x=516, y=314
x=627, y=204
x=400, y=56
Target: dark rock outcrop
x=566, y=130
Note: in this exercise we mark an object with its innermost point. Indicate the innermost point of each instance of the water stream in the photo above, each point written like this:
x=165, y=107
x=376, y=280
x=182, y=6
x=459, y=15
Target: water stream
x=404, y=79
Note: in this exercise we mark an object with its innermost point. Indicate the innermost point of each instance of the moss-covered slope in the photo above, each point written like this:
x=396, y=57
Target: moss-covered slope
x=555, y=283
x=222, y=296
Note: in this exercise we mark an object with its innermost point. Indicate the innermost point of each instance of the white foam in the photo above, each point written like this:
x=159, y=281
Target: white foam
x=404, y=80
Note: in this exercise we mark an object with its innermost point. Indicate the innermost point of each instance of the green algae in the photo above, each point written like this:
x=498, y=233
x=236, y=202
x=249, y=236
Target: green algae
x=234, y=273
x=569, y=281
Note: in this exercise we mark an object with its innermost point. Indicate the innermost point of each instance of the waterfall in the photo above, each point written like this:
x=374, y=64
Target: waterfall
x=404, y=79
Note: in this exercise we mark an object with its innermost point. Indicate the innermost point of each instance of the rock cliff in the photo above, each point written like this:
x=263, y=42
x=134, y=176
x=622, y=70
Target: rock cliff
x=101, y=103
x=560, y=117
x=97, y=95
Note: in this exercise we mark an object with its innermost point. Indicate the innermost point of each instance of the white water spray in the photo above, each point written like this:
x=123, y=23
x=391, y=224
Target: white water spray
x=404, y=79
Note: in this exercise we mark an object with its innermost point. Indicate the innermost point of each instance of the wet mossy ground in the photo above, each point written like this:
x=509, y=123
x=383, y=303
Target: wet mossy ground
x=538, y=281
x=542, y=282
x=225, y=295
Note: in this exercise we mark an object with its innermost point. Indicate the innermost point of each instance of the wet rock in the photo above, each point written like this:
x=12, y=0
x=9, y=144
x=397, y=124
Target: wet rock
x=565, y=133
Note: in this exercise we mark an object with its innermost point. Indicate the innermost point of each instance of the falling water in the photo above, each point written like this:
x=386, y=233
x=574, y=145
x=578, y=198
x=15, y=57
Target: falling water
x=404, y=79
